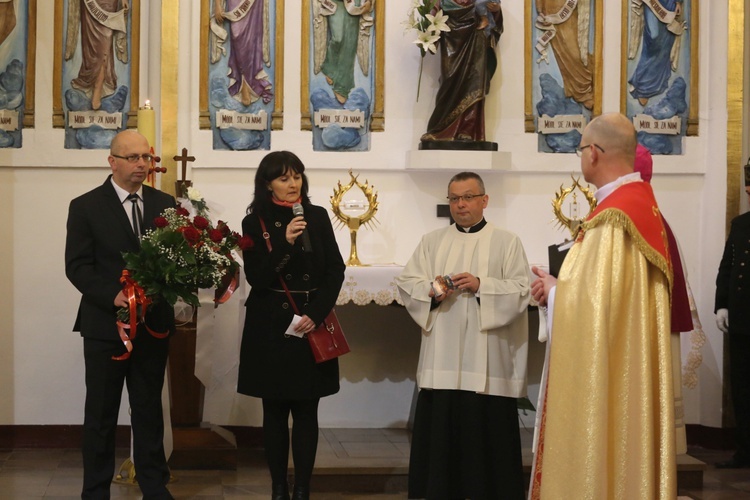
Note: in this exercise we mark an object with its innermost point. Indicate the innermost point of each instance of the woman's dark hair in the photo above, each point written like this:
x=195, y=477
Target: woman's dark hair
x=272, y=166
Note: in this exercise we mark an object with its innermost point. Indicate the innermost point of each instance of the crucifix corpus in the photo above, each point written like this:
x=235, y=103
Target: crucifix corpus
x=182, y=185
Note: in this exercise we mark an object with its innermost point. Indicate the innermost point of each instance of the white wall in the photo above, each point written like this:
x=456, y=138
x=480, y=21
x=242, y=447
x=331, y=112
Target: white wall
x=41, y=360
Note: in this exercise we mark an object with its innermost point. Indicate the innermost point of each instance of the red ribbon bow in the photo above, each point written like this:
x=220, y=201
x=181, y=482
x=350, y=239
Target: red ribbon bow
x=135, y=296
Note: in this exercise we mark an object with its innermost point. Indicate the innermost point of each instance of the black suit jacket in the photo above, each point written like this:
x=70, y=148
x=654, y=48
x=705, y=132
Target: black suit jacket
x=99, y=231
x=733, y=279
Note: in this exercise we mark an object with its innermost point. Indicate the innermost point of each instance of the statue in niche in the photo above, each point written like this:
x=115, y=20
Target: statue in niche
x=467, y=64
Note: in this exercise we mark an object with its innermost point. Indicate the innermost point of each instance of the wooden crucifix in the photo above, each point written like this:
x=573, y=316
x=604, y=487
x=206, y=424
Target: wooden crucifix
x=182, y=185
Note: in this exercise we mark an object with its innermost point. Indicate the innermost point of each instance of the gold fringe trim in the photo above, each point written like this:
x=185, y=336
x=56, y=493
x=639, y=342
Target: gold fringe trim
x=621, y=219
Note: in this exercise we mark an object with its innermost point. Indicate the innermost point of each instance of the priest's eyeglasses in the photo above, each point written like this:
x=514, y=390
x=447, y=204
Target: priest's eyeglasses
x=466, y=197
x=579, y=149
x=134, y=158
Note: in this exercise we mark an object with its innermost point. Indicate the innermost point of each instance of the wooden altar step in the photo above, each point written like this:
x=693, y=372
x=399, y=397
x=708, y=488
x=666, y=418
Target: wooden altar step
x=209, y=447
x=377, y=461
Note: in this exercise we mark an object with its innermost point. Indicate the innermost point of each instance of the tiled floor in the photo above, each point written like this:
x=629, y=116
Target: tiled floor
x=352, y=464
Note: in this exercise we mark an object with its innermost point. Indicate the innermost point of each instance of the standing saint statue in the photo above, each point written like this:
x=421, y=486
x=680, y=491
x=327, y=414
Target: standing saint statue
x=467, y=64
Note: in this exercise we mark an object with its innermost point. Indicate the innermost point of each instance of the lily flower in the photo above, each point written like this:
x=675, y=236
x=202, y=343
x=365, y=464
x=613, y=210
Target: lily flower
x=438, y=22
x=427, y=40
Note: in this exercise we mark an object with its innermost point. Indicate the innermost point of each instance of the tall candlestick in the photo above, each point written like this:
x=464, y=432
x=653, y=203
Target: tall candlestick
x=147, y=123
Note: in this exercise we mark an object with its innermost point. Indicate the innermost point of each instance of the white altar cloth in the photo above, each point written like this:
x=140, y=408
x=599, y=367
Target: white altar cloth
x=375, y=283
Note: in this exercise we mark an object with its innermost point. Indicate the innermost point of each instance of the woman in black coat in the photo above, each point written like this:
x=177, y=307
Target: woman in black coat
x=276, y=367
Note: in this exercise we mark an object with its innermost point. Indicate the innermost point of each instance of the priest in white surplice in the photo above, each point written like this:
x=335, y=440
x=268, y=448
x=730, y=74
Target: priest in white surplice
x=472, y=362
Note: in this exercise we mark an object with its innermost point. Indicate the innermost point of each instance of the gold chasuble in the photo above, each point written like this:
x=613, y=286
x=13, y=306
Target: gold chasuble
x=607, y=429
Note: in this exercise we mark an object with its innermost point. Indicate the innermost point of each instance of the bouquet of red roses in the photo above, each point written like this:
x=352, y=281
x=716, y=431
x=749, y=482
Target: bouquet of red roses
x=184, y=253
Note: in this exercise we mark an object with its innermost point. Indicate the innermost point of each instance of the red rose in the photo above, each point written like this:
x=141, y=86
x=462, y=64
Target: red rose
x=191, y=234
x=161, y=222
x=215, y=235
x=245, y=243
x=181, y=211
x=224, y=228
x=200, y=222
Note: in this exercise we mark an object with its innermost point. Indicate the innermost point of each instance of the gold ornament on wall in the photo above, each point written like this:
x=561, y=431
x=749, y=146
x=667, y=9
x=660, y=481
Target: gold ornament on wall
x=353, y=211
x=574, y=219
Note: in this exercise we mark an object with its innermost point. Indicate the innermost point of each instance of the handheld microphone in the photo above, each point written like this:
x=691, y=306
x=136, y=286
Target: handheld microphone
x=298, y=210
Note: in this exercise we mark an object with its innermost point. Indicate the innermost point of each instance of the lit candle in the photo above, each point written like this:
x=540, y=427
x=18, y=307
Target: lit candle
x=147, y=123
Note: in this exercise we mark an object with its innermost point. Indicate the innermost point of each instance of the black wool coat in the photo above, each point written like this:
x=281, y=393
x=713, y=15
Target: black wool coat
x=272, y=365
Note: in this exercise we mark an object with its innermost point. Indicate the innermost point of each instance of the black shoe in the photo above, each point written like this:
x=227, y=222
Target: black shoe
x=733, y=463
x=280, y=492
x=301, y=493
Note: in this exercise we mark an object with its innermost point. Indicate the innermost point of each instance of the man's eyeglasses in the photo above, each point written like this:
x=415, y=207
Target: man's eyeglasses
x=467, y=198
x=134, y=158
x=579, y=149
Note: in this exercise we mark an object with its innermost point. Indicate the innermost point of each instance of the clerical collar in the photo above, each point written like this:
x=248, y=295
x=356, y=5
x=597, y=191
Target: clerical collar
x=473, y=229
x=608, y=189
x=122, y=193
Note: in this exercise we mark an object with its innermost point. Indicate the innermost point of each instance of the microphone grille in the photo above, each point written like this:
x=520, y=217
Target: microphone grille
x=297, y=209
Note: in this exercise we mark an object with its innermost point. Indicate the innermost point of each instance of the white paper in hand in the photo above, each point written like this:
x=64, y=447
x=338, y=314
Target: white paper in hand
x=290, y=329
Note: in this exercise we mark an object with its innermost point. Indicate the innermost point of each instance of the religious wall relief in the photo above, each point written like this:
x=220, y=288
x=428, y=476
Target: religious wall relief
x=660, y=71
x=95, y=94
x=563, y=70
x=242, y=72
x=342, y=72
x=17, y=64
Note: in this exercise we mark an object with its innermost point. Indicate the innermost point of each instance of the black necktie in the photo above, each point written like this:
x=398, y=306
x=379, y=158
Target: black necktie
x=136, y=215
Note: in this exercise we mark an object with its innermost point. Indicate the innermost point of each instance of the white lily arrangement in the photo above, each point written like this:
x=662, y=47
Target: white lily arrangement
x=429, y=28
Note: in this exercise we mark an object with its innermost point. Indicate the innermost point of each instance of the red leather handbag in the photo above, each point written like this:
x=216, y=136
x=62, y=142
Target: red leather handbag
x=327, y=341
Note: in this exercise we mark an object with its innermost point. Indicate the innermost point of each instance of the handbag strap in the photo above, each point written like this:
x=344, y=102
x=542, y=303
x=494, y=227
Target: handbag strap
x=267, y=237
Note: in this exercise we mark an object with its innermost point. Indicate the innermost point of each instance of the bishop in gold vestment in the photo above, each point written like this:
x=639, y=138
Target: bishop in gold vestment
x=607, y=427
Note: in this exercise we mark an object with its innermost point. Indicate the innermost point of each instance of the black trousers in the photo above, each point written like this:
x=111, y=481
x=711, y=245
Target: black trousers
x=304, y=438
x=739, y=373
x=144, y=375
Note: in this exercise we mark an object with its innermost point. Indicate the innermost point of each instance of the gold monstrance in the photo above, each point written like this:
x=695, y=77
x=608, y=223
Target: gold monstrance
x=574, y=221
x=353, y=212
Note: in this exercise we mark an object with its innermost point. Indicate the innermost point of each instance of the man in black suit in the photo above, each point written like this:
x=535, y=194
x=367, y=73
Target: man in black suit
x=732, y=308
x=100, y=228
